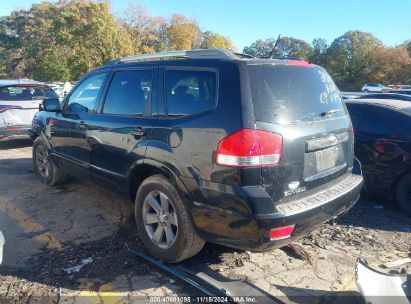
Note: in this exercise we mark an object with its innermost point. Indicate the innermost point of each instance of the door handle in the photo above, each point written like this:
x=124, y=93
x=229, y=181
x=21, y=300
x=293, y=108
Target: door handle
x=82, y=125
x=137, y=132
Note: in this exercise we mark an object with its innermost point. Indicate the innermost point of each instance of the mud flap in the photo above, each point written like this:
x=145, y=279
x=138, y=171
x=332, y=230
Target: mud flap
x=356, y=167
x=378, y=287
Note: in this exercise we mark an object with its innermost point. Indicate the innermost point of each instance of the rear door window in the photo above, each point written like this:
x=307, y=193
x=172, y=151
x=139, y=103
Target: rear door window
x=190, y=92
x=291, y=94
x=129, y=93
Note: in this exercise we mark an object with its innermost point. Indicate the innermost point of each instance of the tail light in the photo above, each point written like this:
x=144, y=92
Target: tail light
x=4, y=108
x=387, y=147
x=250, y=148
x=281, y=233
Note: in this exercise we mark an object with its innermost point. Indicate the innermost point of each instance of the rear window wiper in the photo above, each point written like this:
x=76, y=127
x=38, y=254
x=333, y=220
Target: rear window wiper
x=329, y=112
x=316, y=116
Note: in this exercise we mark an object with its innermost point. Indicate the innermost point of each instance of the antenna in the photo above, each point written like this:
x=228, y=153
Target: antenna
x=274, y=47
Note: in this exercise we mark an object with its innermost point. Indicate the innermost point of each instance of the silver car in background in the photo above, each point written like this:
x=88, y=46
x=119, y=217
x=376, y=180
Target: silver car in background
x=19, y=101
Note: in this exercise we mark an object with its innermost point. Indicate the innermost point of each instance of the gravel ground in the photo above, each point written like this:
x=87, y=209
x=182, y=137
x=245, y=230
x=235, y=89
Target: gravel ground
x=48, y=230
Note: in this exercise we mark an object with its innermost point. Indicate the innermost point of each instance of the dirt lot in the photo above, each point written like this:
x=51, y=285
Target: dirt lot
x=48, y=230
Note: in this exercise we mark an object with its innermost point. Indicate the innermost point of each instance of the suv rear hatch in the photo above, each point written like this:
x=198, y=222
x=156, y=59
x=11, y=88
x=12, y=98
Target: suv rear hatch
x=300, y=102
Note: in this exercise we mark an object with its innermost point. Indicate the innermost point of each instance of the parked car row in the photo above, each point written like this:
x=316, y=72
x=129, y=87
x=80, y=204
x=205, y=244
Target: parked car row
x=375, y=87
x=380, y=88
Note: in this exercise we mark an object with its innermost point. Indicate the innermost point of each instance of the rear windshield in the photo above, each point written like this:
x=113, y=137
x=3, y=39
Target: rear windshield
x=26, y=92
x=290, y=94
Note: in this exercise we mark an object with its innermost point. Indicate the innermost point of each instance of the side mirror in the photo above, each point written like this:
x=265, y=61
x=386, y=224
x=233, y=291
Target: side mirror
x=50, y=105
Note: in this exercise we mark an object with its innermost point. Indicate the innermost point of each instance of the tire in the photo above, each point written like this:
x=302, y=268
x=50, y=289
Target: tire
x=403, y=193
x=164, y=223
x=365, y=91
x=44, y=167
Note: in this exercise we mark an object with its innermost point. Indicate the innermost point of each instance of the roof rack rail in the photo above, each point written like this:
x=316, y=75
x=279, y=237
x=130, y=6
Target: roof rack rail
x=191, y=54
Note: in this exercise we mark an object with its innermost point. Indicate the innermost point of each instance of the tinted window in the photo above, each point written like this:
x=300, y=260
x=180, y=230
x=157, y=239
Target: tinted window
x=129, y=93
x=84, y=97
x=356, y=112
x=190, y=92
x=26, y=92
x=285, y=94
x=382, y=121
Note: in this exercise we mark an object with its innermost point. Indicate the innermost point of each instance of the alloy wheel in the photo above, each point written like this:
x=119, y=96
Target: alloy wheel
x=160, y=219
x=42, y=162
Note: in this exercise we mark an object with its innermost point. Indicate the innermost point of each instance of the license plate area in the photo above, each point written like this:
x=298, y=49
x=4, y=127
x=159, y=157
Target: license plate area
x=324, y=160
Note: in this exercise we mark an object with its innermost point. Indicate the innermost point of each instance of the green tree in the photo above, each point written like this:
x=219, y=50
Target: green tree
x=260, y=48
x=62, y=41
x=144, y=29
x=319, y=49
x=181, y=33
x=289, y=47
x=89, y=35
x=390, y=65
x=216, y=41
x=11, y=48
x=286, y=47
x=348, y=59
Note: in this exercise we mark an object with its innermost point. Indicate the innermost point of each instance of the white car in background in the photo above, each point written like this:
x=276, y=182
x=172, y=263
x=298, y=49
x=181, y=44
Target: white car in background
x=19, y=101
x=375, y=87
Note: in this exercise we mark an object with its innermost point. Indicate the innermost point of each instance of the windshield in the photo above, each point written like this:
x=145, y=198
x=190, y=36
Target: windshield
x=26, y=92
x=289, y=94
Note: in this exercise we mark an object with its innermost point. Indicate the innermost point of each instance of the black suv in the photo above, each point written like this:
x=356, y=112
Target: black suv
x=210, y=145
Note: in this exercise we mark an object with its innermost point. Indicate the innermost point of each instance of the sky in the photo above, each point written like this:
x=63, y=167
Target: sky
x=245, y=21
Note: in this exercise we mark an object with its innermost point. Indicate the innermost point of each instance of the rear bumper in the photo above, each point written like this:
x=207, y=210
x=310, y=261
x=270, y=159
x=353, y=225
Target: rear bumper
x=14, y=132
x=252, y=232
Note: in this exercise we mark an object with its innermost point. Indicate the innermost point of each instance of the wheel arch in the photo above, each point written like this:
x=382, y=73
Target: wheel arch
x=141, y=171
